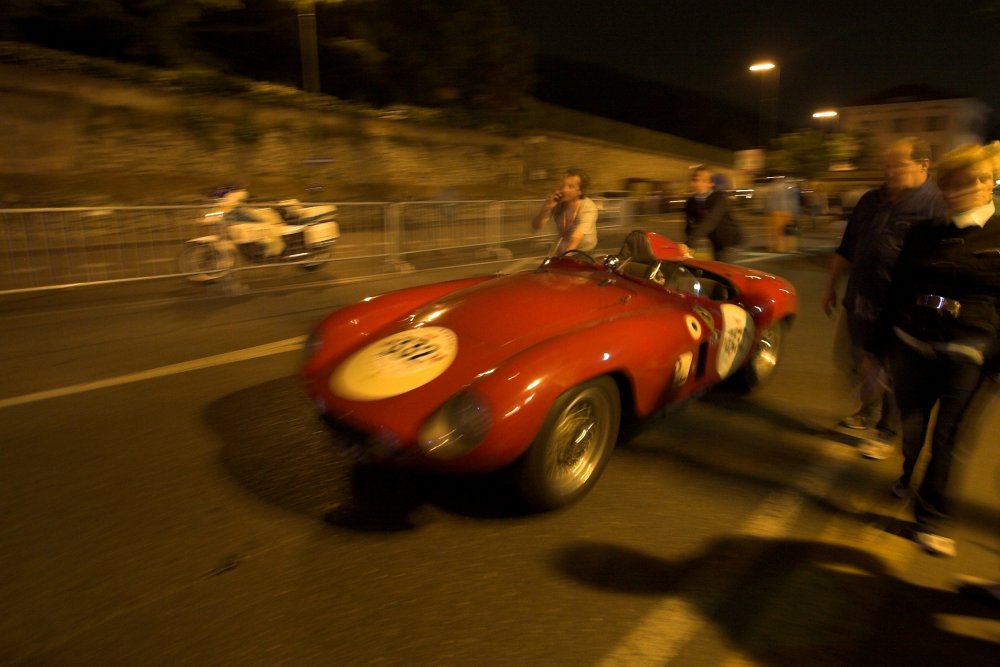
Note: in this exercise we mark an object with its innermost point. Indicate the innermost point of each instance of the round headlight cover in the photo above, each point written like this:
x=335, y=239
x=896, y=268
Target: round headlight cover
x=456, y=427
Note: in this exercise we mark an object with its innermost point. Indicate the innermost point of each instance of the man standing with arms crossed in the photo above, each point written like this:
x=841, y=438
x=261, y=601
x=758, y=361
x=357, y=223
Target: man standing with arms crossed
x=867, y=254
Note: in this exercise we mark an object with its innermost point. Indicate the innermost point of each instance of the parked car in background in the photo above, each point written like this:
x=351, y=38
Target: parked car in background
x=655, y=196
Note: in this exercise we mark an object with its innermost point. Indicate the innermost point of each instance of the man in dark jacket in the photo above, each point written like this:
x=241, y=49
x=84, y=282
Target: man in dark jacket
x=707, y=215
x=867, y=254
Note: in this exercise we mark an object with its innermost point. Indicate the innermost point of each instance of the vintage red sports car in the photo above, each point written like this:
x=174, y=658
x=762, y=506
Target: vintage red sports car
x=532, y=372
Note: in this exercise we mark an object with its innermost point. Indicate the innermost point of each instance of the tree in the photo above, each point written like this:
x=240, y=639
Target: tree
x=445, y=52
x=147, y=31
x=810, y=153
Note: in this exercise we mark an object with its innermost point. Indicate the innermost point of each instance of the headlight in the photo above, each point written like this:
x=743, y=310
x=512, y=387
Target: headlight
x=457, y=426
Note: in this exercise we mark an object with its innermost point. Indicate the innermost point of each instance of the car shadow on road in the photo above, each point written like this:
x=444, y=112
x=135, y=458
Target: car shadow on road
x=788, y=603
x=275, y=447
x=783, y=420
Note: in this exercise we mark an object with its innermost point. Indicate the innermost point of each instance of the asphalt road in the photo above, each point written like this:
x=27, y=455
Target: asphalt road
x=169, y=499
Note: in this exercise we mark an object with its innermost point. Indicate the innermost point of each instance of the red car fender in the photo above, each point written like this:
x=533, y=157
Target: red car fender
x=768, y=298
x=773, y=299
x=522, y=390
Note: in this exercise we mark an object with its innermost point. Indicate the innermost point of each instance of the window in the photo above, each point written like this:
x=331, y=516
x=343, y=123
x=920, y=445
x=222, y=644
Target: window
x=936, y=123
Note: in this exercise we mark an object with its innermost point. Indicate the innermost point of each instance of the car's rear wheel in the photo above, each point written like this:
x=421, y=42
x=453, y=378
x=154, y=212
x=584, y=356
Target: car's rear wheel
x=572, y=447
x=763, y=359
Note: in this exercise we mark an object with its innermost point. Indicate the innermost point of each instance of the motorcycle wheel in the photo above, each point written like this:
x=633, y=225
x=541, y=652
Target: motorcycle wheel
x=317, y=259
x=204, y=262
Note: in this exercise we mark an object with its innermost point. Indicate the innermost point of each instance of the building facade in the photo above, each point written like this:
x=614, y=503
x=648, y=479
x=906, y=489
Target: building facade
x=944, y=120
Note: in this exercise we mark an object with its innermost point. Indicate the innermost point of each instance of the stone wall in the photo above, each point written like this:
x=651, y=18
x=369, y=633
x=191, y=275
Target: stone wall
x=62, y=133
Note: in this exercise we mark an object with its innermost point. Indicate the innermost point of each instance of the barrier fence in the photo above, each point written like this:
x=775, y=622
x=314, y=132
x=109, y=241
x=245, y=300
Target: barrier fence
x=44, y=249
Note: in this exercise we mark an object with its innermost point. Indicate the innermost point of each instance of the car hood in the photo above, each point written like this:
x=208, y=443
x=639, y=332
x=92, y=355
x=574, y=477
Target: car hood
x=526, y=307
x=440, y=347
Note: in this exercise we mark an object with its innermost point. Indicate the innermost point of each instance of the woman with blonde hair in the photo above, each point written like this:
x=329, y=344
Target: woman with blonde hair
x=942, y=329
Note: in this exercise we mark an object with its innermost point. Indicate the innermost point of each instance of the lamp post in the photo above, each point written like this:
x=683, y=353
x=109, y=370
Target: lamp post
x=768, y=100
x=307, y=45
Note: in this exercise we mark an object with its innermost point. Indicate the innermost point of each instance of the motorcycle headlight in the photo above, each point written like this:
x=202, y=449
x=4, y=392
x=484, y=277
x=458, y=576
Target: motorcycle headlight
x=456, y=428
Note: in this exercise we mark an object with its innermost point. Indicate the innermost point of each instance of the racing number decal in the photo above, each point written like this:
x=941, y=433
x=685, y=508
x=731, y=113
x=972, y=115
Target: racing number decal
x=737, y=336
x=694, y=326
x=682, y=368
x=396, y=364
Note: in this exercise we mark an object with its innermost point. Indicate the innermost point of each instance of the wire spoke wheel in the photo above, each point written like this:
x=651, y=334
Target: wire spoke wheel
x=767, y=352
x=573, y=446
x=764, y=359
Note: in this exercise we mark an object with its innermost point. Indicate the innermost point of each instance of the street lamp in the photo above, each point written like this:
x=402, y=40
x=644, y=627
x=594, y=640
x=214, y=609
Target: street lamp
x=828, y=114
x=770, y=102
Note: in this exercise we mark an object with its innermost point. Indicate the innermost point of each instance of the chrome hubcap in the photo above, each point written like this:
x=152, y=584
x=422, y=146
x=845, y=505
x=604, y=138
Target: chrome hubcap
x=578, y=440
x=767, y=352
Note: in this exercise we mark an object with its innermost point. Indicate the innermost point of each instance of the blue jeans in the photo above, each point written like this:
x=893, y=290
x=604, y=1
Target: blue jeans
x=920, y=383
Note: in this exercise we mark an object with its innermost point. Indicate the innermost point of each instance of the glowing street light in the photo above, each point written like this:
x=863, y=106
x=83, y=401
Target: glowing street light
x=825, y=116
x=768, y=102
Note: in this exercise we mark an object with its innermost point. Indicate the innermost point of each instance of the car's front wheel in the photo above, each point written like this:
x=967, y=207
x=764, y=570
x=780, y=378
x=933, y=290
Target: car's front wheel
x=572, y=447
x=763, y=359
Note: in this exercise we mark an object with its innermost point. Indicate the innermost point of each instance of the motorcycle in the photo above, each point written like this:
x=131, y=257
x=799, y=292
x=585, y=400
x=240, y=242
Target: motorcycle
x=285, y=232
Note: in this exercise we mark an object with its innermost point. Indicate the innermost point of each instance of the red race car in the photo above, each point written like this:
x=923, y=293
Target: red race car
x=532, y=372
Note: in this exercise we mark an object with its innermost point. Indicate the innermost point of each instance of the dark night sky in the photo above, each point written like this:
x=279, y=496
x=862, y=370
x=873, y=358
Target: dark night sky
x=830, y=53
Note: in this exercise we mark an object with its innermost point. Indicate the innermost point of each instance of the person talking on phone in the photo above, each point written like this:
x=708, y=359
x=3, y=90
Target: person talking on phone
x=572, y=212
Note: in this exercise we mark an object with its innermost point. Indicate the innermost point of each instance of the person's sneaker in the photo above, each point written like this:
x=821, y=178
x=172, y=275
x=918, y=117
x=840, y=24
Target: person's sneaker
x=877, y=448
x=856, y=422
x=935, y=545
x=986, y=591
x=900, y=489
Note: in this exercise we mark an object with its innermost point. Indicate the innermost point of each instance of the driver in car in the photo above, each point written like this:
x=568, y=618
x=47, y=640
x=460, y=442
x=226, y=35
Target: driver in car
x=572, y=212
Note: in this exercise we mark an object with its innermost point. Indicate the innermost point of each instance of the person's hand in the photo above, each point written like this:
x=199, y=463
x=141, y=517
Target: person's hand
x=829, y=301
x=553, y=199
x=685, y=251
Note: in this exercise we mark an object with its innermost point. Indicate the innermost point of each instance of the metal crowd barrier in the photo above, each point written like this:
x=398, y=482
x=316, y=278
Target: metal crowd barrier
x=53, y=248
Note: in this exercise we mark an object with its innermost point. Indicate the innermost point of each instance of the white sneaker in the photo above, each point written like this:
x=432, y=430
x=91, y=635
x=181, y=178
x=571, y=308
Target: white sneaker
x=936, y=545
x=876, y=449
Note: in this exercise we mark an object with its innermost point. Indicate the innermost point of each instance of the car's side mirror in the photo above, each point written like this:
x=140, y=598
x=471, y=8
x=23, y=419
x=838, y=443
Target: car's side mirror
x=612, y=262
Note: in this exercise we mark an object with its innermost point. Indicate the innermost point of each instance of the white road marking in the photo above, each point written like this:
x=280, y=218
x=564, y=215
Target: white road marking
x=669, y=626
x=268, y=349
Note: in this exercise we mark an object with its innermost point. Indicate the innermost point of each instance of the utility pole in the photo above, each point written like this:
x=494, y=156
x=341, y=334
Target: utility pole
x=307, y=45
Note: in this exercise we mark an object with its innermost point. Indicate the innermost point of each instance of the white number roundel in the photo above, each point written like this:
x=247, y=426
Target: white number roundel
x=737, y=336
x=395, y=364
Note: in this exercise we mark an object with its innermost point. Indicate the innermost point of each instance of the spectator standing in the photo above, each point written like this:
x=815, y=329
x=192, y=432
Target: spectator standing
x=573, y=214
x=942, y=329
x=707, y=215
x=782, y=202
x=867, y=254
x=817, y=202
